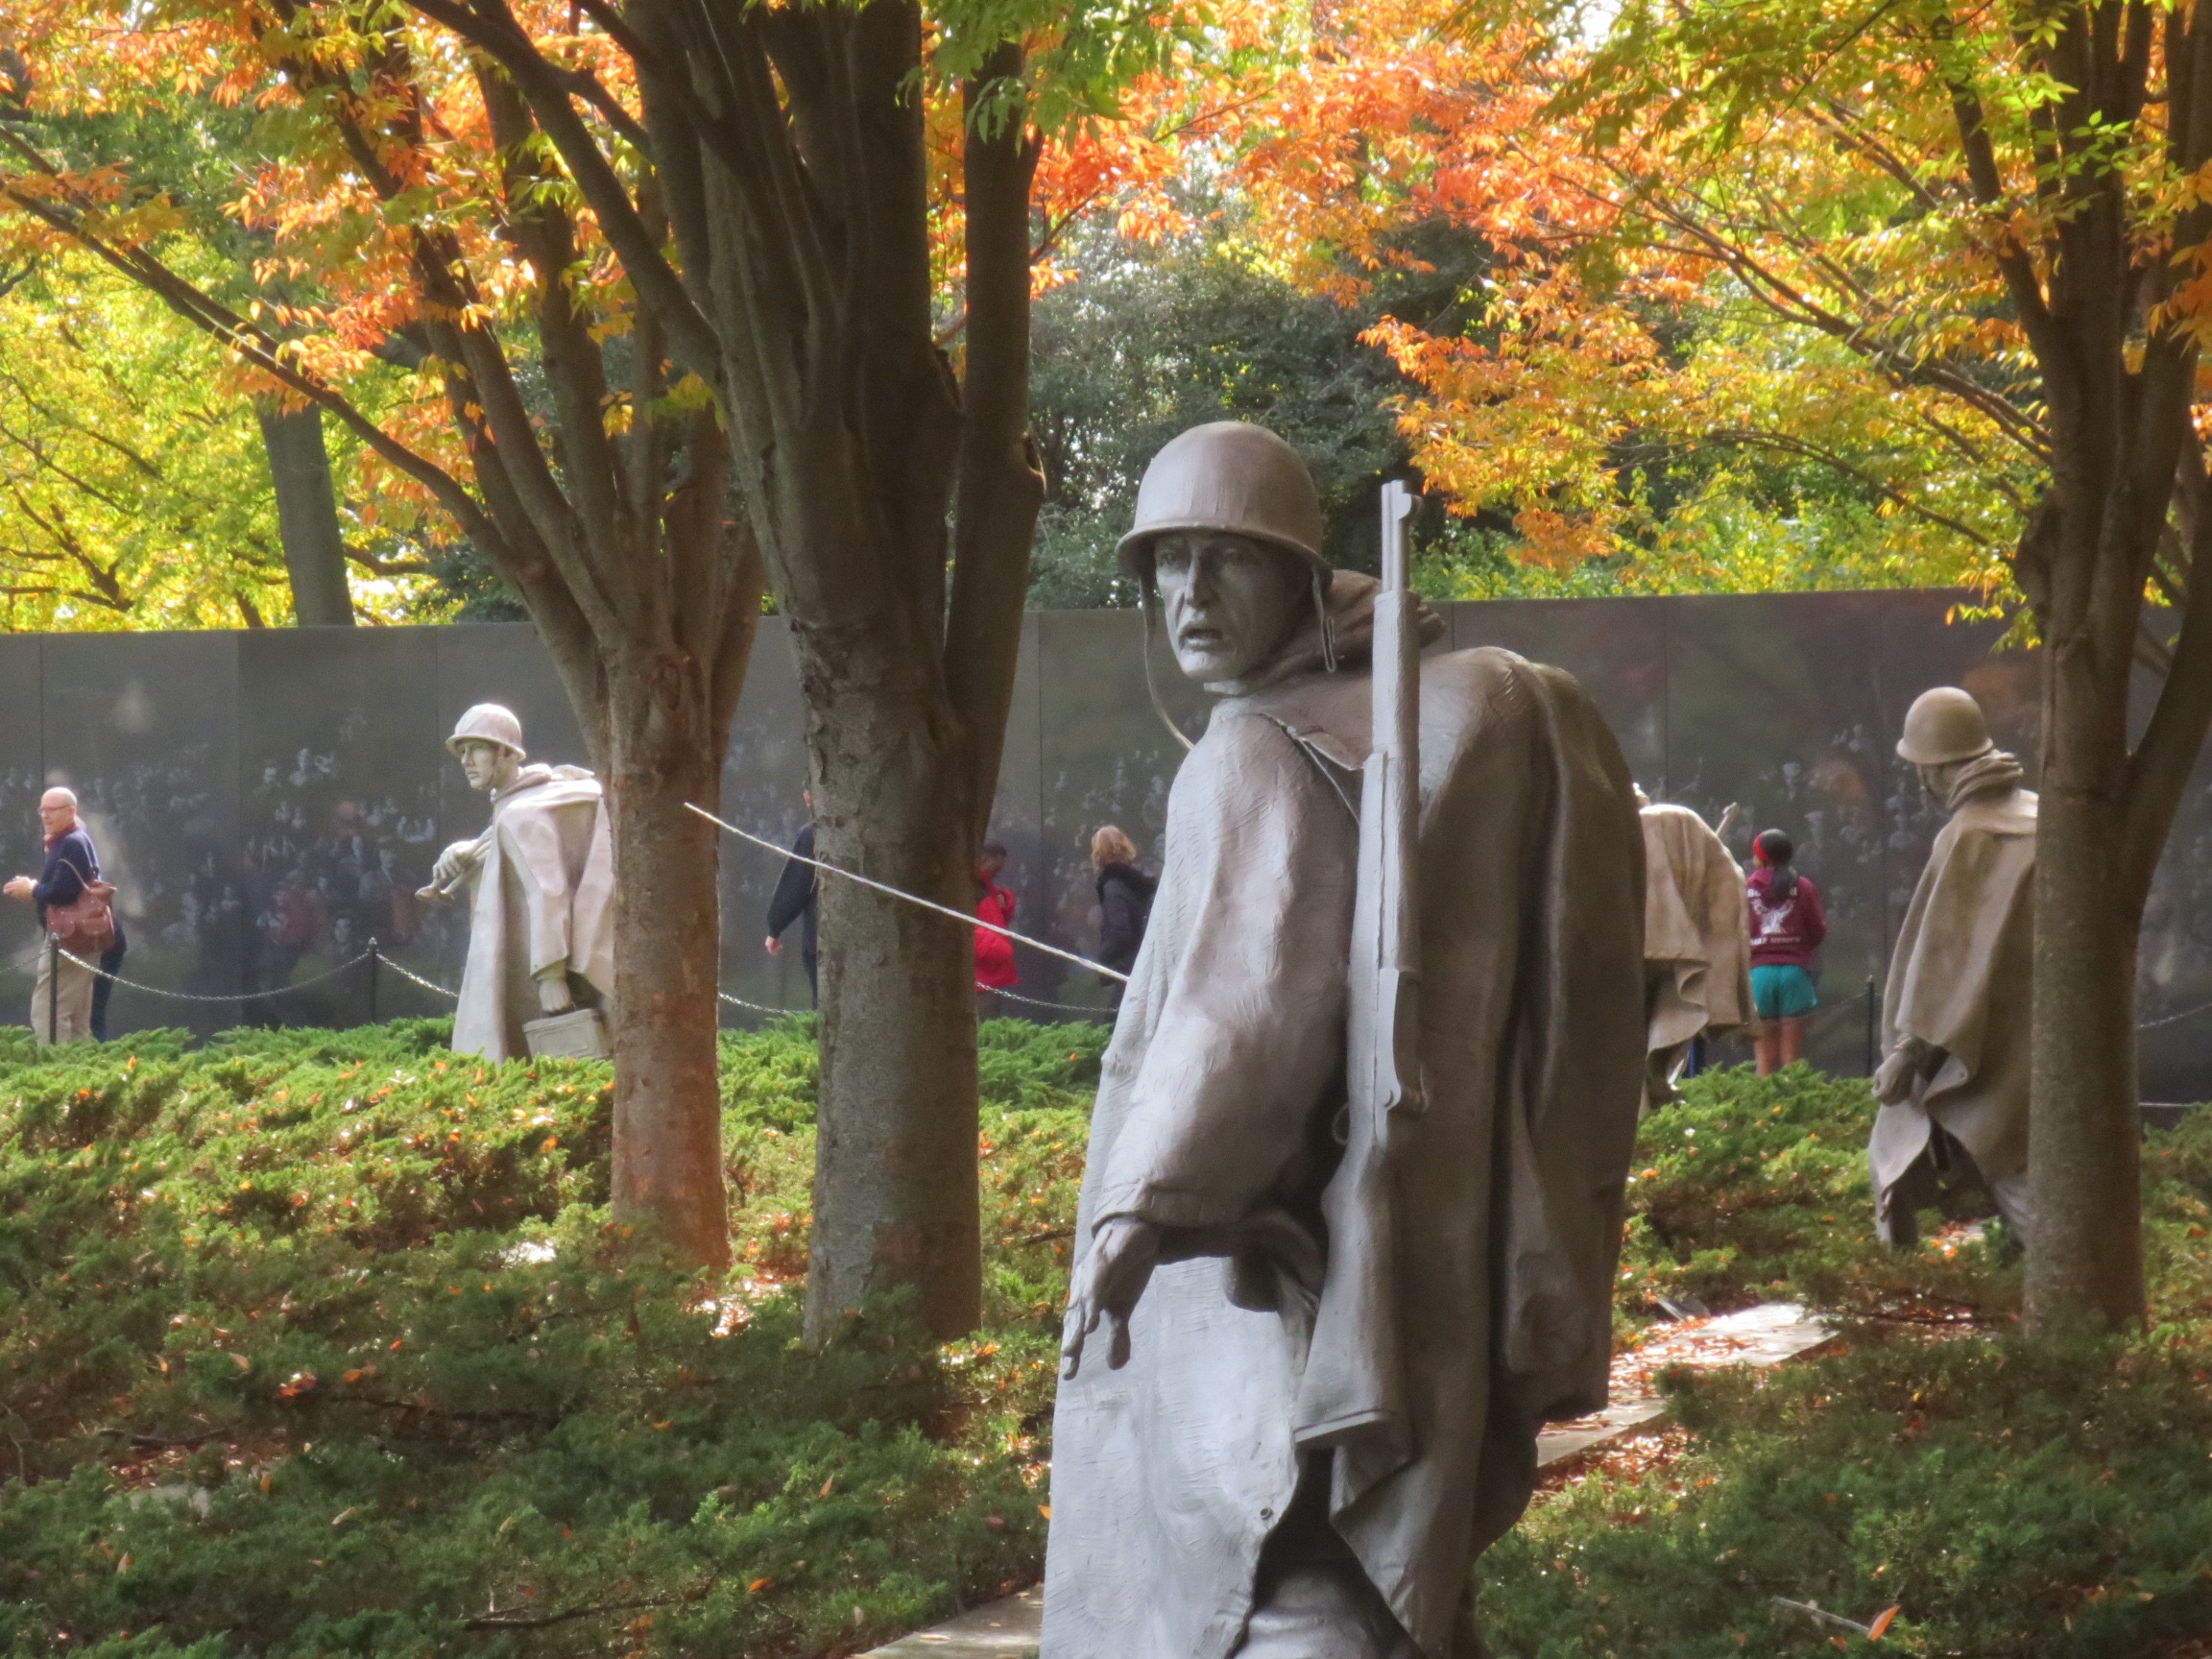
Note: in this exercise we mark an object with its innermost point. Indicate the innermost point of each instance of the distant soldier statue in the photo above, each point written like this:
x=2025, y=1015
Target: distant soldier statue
x=1696, y=941
x=1953, y=1082
x=1308, y=1353
x=542, y=924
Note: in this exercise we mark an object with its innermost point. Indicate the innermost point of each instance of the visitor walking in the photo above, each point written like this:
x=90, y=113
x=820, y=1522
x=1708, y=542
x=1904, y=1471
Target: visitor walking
x=1787, y=928
x=110, y=965
x=995, y=970
x=1124, y=903
x=70, y=902
x=794, y=901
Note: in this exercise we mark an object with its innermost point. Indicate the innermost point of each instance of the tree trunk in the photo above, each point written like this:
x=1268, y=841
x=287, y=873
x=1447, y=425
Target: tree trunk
x=2085, y=1257
x=306, y=514
x=665, y=750
x=895, y=1198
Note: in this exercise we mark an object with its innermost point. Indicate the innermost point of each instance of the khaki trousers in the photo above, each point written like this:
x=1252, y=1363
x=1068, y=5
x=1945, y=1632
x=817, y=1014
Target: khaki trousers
x=65, y=1010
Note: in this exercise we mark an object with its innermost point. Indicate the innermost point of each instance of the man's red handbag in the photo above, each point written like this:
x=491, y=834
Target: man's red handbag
x=85, y=925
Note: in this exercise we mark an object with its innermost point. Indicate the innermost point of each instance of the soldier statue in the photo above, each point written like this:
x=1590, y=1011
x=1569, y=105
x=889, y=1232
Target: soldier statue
x=1696, y=941
x=1953, y=1083
x=1217, y=1488
x=541, y=926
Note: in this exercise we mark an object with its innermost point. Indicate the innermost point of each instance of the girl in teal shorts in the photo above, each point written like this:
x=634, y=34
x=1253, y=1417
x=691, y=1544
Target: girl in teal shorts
x=1787, y=928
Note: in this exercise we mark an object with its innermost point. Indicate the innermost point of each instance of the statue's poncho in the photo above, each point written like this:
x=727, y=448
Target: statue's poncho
x=544, y=895
x=1962, y=981
x=1696, y=932
x=1215, y=1112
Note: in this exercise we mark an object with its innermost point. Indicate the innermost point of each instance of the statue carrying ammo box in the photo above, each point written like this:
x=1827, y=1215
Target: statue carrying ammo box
x=541, y=922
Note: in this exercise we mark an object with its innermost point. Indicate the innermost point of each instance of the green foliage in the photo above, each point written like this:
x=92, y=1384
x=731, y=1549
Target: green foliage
x=2049, y=1502
x=1152, y=341
x=320, y=1343
x=2031, y=1501
x=121, y=463
x=1755, y=1189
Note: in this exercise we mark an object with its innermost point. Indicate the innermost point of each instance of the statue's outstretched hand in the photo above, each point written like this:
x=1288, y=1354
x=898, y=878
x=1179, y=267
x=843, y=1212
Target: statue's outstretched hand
x=1108, y=1283
x=553, y=994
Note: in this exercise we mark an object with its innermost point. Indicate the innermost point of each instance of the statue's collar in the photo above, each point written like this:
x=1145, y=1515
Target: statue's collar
x=529, y=777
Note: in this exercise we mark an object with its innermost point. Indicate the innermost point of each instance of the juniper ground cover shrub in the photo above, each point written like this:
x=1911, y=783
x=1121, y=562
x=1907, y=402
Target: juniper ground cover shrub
x=2013, y=1499
x=319, y=1344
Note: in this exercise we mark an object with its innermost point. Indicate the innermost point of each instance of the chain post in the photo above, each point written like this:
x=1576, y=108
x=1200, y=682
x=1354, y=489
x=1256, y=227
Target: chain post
x=1871, y=1005
x=376, y=961
x=53, y=989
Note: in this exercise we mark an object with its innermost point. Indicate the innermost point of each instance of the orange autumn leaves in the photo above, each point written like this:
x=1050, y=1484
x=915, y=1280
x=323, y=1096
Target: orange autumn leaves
x=1728, y=259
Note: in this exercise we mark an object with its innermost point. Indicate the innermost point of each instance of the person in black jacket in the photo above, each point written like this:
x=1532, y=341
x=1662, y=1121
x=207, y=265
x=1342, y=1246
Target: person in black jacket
x=1124, y=902
x=793, y=900
x=61, y=1004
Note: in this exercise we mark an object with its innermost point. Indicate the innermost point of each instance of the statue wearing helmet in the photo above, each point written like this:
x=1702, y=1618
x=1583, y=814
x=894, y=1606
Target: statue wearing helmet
x=1953, y=1082
x=541, y=929
x=1203, y=1502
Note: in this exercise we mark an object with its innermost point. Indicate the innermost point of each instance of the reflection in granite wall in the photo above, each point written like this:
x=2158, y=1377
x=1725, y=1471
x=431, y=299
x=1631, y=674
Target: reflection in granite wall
x=270, y=800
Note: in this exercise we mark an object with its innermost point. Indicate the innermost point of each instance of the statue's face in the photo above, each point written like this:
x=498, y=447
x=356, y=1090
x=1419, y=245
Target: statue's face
x=487, y=765
x=1231, y=603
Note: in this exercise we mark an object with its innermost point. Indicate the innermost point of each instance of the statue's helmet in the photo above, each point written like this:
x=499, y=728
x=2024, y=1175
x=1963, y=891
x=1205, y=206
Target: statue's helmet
x=1944, y=725
x=1228, y=476
x=489, y=723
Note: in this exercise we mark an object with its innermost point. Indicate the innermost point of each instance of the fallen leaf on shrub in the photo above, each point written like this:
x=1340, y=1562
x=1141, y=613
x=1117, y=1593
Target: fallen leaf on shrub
x=345, y=1515
x=1882, y=1621
x=241, y=1361
x=826, y=1486
x=757, y=1585
x=1046, y=1510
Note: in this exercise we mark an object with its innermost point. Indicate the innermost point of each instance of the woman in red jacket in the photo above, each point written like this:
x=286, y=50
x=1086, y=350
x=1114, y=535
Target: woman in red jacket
x=995, y=970
x=1787, y=928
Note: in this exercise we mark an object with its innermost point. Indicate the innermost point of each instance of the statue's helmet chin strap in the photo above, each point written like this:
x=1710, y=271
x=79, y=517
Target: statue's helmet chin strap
x=1327, y=624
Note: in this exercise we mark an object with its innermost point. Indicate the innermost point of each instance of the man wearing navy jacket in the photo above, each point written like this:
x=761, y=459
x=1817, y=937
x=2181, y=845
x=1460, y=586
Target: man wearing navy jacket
x=62, y=1006
x=793, y=900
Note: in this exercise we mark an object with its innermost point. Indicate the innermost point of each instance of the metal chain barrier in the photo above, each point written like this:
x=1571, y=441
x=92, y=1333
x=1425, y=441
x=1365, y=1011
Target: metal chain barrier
x=1093, y=1010
x=2174, y=1019
x=96, y=969
x=384, y=961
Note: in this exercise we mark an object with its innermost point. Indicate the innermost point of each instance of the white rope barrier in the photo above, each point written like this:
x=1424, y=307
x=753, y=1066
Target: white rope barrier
x=913, y=898
x=756, y=1007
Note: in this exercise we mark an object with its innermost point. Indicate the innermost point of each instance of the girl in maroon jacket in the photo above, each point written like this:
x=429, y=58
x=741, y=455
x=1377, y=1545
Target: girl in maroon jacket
x=1787, y=928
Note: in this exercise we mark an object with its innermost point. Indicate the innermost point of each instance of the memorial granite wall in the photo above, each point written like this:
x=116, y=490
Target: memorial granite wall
x=267, y=801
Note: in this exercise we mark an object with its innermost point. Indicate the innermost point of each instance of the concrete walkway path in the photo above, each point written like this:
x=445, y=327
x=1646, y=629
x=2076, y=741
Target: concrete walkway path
x=1764, y=1336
